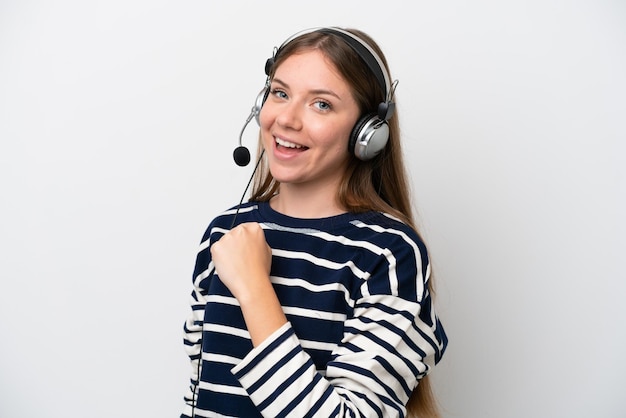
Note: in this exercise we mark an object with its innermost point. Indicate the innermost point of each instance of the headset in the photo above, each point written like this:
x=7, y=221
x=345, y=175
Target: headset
x=371, y=132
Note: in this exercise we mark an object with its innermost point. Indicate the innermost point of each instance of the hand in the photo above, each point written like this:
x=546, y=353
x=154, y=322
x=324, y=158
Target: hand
x=242, y=260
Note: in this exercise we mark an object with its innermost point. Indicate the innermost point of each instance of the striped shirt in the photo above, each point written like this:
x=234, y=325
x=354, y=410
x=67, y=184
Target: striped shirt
x=361, y=328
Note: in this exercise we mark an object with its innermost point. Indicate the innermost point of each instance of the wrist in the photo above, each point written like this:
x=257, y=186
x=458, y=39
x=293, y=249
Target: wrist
x=262, y=312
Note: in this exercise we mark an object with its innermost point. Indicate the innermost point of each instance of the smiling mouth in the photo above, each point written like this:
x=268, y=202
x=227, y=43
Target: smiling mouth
x=287, y=144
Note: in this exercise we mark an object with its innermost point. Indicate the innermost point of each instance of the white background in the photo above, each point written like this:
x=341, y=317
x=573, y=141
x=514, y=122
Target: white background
x=117, y=124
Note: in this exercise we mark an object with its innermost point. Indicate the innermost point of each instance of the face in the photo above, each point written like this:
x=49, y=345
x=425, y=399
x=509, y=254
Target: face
x=306, y=122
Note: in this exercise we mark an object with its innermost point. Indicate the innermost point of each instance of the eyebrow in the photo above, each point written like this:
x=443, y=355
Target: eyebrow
x=315, y=91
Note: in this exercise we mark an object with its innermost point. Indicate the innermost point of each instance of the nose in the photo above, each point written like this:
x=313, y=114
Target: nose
x=289, y=115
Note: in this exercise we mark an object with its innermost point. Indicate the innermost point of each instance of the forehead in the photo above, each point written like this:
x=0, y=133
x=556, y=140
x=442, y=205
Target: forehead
x=309, y=65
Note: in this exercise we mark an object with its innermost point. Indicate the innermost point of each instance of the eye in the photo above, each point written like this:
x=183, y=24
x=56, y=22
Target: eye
x=278, y=93
x=323, y=105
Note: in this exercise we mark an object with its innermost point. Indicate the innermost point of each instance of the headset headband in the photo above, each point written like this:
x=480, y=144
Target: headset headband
x=362, y=48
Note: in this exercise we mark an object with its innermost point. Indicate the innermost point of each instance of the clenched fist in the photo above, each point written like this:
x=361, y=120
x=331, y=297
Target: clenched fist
x=242, y=260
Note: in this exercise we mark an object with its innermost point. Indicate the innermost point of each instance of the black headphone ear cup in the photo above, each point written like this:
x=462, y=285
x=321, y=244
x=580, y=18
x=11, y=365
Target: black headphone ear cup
x=268, y=65
x=385, y=110
x=258, y=103
x=368, y=137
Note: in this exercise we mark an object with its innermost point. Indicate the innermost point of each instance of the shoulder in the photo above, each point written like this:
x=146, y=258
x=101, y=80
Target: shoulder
x=401, y=244
x=401, y=264
x=384, y=229
x=224, y=221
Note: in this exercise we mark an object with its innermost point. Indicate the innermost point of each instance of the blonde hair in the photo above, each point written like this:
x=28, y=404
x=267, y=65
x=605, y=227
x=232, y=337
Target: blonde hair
x=380, y=184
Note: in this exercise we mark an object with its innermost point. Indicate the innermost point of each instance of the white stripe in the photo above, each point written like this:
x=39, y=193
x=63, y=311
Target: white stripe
x=305, y=284
x=234, y=390
x=303, y=408
x=241, y=210
x=322, y=262
x=316, y=314
x=393, y=277
x=222, y=329
x=203, y=275
x=218, y=229
x=318, y=345
x=397, y=304
x=221, y=358
x=349, y=242
x=330, y=287
x=328, y=237
x=204, y=245
x=224, y=300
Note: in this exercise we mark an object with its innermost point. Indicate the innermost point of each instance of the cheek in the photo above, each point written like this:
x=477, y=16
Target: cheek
x=338, y=135
x=335, y=142
x=266, y=119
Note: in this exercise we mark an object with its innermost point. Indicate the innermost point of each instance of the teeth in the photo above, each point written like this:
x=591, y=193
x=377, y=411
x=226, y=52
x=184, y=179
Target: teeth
x=287, y=144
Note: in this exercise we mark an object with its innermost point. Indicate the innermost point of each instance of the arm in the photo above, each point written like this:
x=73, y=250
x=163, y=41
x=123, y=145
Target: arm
x=389, y=343
x=374, y=370
x=243, y=259
x=192, y=328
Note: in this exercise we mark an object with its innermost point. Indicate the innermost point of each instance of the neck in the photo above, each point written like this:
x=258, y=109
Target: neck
x=298, y=202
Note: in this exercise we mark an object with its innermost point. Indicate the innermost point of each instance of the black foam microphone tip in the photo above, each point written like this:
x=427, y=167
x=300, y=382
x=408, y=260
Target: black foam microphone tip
x=241, y=155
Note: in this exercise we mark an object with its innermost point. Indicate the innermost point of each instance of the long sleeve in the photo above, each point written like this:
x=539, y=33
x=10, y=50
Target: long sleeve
x=192, y=328
x=390, y=341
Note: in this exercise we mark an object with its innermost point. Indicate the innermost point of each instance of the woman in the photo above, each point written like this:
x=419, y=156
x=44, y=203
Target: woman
x=313, y=298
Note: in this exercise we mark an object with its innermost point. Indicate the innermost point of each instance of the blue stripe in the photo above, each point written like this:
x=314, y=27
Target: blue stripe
x=265, y=352
x=286, y=383
x=291, y=405
x=273, y=370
